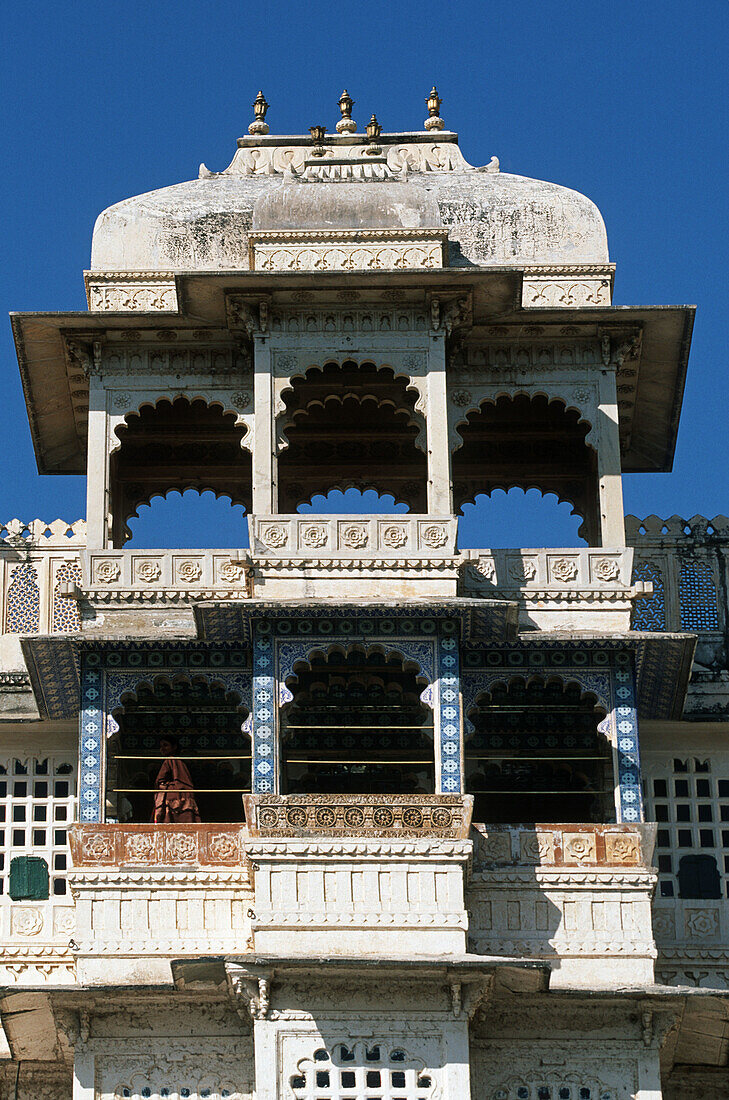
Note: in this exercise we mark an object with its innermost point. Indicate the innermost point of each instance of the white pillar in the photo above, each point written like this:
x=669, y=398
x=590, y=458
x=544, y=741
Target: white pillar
x=609, y=468
x=97, y=468
x=265, y=489
x=440, y=497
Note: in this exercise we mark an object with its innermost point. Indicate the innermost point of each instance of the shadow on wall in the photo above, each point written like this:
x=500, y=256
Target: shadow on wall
x=518, y=518
x=190, y=521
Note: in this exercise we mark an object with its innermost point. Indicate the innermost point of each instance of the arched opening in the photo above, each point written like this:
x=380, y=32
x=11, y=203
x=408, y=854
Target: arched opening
x=351, y=426
x=520, y=518
x=186, y=730
x=337, y=502
x=176, y=445
x=535, y=754
x=357, y=725
x=185, y=520
x=528, y=442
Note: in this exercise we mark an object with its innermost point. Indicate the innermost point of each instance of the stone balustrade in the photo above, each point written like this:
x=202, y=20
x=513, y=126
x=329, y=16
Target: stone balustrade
x=583, y=588
x=147, y=894
x=577, y=896
x=121, y=576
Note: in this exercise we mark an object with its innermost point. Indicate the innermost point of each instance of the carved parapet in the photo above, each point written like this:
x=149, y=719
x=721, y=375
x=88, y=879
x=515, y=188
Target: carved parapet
x=559, y=587
x=567, y=287
x=204, y=845
x=148, y=893
x=348, y=250
x=131, y=291
x=163, y=576
x=576, y=894
x=364, y=896
x=39, y=567
x=354, y=536
x=372, y=552
x=34, y=939
x=447, y=816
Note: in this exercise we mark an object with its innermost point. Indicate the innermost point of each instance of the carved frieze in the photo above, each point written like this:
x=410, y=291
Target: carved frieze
x=446, y=816
x=356, y=250
x=135, y=292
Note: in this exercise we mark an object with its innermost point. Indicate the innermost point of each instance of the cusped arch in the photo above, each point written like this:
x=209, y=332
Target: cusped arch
x=421, y=655
x=124, y=687
x=476, y=404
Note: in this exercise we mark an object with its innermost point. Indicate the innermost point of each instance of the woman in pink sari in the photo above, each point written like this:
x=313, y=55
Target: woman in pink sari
x=174, y=802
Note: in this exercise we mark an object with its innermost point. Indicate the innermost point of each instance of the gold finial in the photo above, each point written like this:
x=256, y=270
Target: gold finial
x=259, y=124
x=373, y=131
x=433, y=102
x=346, y=125
x=317, y=136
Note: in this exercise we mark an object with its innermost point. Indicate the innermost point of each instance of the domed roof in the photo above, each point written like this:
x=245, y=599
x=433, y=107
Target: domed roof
x=365, y=204
x=492, y=218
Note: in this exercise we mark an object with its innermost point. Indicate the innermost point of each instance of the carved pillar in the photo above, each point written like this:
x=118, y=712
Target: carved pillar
x=440, y=501
x=97, y=468
x=609, y=471
x=265, y=476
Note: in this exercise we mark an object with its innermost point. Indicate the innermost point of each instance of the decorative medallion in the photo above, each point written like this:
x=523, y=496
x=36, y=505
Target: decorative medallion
x=314, y=535
x=355, y=536
x=435, y=535
x=232, y=572
x=189, y=571
x=461, y=398
x=149, y=570
x=563, y=569
x=354, y=817
x=121, y=400
x=27, y=921
x=106, y=572
x=605, y=569
x=484, y=568
x=240, y=400
x=394, y=536
x=274, y=535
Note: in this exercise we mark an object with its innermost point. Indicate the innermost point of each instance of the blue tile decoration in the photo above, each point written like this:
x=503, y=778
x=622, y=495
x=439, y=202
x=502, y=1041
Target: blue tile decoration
x=278, y=643
x=108, y=670
x=614, y=689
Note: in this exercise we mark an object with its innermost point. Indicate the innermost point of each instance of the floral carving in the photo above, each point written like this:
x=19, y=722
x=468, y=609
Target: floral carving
x=664, y=925
x=275, y=535
x=394, y=536
x=121, y=400
x=141, y=847
x=181, y=847
x=580, y=848
x=461, y=398
x=64, y=921
x=622, y=848
x=563, y=569
x=484, y=568
x=435, y=535
x=314, y=535
x=149, y=570
x=107, y=571
x=494, y=848
x=582, y=393
x=27, y=921
x=224, y=847
x=537, y=847
x=240, y=400
x=605, y=569
x=383, y=817
x=522, y=569
x=355, y=536
x=98, y=848
x=189, y=571
x=232, y=571
x=354, y=817
x=702, y=922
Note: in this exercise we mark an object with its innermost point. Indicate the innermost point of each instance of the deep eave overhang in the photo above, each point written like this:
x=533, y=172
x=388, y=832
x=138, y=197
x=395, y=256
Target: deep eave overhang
x=662, y=661
x=61, y=448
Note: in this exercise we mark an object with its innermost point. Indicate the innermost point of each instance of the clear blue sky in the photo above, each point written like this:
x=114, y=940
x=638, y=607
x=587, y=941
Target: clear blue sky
x=625, y=102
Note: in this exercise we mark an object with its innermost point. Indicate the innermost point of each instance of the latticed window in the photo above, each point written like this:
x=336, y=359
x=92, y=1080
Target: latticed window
x=66, y=616
x=691, y=806
x=375, y=1073
x=23, y=601
x=650, y=614
x=697, y=597
x=36, y=809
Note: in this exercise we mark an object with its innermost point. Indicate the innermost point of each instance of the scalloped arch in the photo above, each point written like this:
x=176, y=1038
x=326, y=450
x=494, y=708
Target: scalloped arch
x=510, y=393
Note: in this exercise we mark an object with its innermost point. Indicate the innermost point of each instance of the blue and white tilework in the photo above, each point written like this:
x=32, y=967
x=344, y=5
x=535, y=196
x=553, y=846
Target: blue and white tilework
x=625, y=718
x=91, y=740
x=449, y=713
x=264, y=770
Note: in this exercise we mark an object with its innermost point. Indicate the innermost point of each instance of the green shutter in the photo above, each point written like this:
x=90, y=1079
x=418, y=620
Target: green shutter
x=28, y=879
